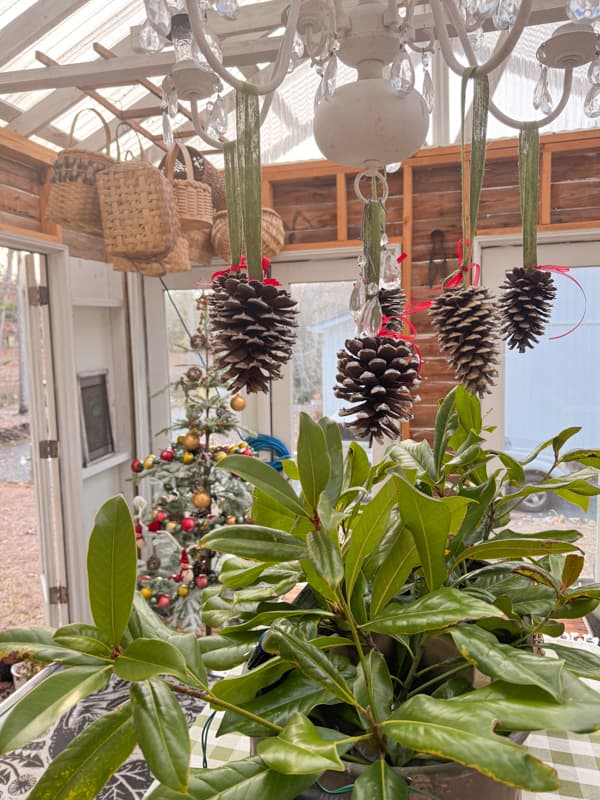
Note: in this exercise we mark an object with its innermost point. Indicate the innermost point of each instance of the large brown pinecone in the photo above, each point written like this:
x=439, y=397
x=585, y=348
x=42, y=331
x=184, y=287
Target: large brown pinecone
x=253, y=327
x=525, y=306
x=377, y=375
x=465, y=321
x=392, y=302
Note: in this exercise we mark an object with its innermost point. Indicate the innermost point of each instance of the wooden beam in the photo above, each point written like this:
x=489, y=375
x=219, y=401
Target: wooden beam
x=342, y=207
x=31, y=25
x=20, y=149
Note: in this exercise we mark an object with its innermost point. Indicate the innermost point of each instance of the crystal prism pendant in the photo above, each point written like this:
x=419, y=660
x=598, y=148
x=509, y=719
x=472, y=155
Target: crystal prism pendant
x=319, y=94
x=579, y=10
x=402, y=73
x=149, y=39
x=591, y=105
x=506, y=14
x=483, y=8
x=476, y=38
x=594, y=71
x=393, y=167
x=176, y=7
x=229, y=9
x=158, y=16
x=358, y=296
x=427, y=90
x=209, y=127
x=218, y=118
x=329, y=78
x=167, y=129
x=468, y=9
x=389, y=268
x=170, y=99
x=297, y=47
x=542, y=99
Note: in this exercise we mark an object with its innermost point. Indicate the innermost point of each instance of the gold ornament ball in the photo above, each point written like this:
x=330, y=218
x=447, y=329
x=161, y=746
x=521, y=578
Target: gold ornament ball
x=237, y=402
x=242, y=446
x=180, y=438
x=171, y=526
x=146, y=593
x=187, y=458
x=183, y=591
x=191, y=441
x=220, y=455
x=149, y=461
x=231, y=520
x=201, y=499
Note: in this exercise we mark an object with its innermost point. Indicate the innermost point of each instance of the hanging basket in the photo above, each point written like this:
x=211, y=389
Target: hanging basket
x=272, y=232
x=138, y=211
x=178, y=260
x=203, y=172
x=193, y=199
x=200, y=246
x=73, y=197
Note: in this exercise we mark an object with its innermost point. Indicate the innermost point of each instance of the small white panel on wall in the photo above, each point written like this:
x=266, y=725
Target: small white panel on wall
x=94, y=283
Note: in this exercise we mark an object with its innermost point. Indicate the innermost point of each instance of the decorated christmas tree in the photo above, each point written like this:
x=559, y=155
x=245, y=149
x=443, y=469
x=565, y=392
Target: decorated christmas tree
x=192, y=496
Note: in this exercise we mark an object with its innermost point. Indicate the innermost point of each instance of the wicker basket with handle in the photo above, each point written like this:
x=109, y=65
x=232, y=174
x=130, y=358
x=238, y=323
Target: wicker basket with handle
x=204, y=172
x=193, y=199
x=178, y=260
x=73, y=197
x=272, y=232
x=200, y=246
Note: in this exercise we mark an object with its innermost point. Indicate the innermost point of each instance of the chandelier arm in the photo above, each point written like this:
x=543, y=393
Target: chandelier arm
x=199, y=129
x=502, y=53
x=281, y=62
x=266, y=106
x=513, y=123
x=444, y=39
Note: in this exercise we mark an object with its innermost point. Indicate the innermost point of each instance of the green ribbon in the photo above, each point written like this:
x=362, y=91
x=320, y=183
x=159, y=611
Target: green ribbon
x=529, y=179
x=470, y=206
x=248, y=163
x=373, y=227
x=234, y=202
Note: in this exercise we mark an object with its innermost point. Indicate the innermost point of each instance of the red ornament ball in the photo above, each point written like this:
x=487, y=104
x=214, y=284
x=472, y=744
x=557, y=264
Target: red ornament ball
x=161, y=516
x=137, y=465
x=201, y=581
x=154, y=526
x=167, y=454
x=164, y=601
x=188, y=524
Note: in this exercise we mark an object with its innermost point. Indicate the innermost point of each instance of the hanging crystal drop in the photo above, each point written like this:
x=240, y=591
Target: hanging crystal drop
x=542, y=99
x=362, y=262
x=384, y=239
x=506, y=14
x=402, y=74
x=591, y=105
x=329, y=78
x=149, y=39
x=176, y=7
x=203, y=9
x=170, y=99
x=484, y=8
x=297, y=47
x=209, y=126
x=167, y=129
x=394, y=167
x=389, y=268
x=468, y=9
x=158, y=16
x=320, y=93
x=476, y=38
x=594, y=71
x=198, y=56
x=219, y=117
x=427, y=90
x=357, y=296
x=229, y=9
x=580, y=10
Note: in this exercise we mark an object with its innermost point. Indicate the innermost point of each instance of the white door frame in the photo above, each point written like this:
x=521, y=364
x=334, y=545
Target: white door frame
x=65, y=542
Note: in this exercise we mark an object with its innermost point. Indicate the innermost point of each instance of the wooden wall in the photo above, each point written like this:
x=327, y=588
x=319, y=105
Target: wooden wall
x=320, y=210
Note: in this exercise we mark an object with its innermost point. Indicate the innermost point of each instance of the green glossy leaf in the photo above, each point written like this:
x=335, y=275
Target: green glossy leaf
x=253, y=541
x=380, y=782
x=242, y=688
x=457, y=506
x=482, y=494
x=266, y=479
x=468, y=408
x=222, y=652
x=266, y=618
x=38, y=644
x=85, y=638
x=368, y=531
x=559, y=536
x=504, y=662
x=145, y=658
x=336, y=457
x=574, y=609
x=559, y=441
x=82, y=769
x=589, y=458
x=429, y=523
x=237, y=572
x=48, y=701
x=144, y=623
x=310, y=660
x=314, y=464
x=445, y=426
x=375, y=689
x=514, y=470
x=393, y=573
x=581, y=662
x=111, y=568
x=589, y=590
x=266, y=511
x=446, y=729
x=414, y=456
x=294, y=693
x=188, y=646
x=357, y=468
x=249, y=779
x=300, y=749
x=434, y=611
x=291, y=469
x=162, y=732
x=514, y=548
x=571, y=570
x=326, y=558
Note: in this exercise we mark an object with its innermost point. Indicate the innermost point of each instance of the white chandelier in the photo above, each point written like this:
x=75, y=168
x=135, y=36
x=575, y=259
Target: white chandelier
x=381, y=118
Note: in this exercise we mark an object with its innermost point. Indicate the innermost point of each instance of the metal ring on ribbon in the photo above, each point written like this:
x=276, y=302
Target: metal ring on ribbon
x=371, y=173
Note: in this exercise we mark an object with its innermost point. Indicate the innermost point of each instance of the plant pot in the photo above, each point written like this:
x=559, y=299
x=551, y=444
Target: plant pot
x=441, y=781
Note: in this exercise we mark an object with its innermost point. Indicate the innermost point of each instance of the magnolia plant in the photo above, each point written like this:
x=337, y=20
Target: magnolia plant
x=412, y=639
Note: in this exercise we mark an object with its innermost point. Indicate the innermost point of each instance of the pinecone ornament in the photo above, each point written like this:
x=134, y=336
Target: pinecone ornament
x=253, y=326
x=377, y=375
x=392, y=302
x=525, y=306
x=466, y=326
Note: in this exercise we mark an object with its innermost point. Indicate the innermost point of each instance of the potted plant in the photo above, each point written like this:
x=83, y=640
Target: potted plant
x=409, y=655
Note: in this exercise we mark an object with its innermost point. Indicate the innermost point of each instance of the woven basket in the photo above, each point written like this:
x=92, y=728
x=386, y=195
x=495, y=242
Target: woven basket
x=177, y=260
x=138, y=212
x=204, y=172
x=73, y=197
x=272, y=230
x=200, y=247
x=193, y=199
